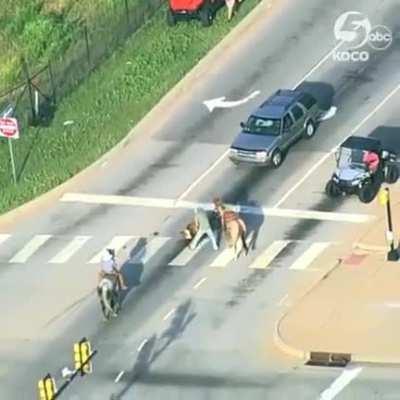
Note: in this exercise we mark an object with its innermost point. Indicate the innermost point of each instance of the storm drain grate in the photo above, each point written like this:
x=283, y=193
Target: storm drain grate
x=324, y=359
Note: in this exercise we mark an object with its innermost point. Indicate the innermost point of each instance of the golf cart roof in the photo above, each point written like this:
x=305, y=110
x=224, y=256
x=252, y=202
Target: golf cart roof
x=362, y=143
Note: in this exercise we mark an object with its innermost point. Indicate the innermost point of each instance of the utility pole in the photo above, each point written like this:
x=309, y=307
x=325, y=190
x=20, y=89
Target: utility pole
x=384, y=199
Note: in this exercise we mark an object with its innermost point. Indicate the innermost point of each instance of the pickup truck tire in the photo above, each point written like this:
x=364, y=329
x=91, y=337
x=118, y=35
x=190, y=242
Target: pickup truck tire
x=277, y=158
x=309, y=130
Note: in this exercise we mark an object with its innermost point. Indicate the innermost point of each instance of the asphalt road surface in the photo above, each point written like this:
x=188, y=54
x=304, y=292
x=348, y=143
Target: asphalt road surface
x=199, y=325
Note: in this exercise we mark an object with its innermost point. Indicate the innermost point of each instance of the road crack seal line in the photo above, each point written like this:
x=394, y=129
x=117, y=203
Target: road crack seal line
x=69, y=308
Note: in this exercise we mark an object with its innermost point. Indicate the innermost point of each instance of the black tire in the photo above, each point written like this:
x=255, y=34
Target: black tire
x=309, y=130
x=367, y=192
x=332, y=189
x=392, y=173
x=205, y=15
x=171, y=20
x=277, y=158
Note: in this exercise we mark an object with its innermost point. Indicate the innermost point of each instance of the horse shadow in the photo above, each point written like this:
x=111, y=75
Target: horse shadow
x=323, y=92
x=156, y=345
x=132, y=271
x=254, y=221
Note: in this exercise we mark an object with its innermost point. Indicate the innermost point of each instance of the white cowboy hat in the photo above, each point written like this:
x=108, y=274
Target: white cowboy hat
x=106, y=256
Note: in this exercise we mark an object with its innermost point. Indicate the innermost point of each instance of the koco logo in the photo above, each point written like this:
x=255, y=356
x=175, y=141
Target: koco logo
x=354, y=30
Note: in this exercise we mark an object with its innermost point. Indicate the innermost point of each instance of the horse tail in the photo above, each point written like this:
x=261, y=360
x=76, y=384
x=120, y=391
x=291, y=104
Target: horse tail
x=105, y=298
x=242, y=225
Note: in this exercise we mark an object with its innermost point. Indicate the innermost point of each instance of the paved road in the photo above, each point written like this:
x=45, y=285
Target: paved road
x=199, y=325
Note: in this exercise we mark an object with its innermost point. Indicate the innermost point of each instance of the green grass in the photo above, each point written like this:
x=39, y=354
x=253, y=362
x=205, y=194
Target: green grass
x=108, y=104
x=42, y=30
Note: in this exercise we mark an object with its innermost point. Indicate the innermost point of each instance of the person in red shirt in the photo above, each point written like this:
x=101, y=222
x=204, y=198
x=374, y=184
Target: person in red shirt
x=371, y=160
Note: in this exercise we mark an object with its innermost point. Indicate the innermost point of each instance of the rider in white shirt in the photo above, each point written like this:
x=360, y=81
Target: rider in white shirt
x=109, y=267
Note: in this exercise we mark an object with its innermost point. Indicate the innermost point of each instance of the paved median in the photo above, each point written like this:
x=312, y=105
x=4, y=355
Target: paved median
x=354, y=308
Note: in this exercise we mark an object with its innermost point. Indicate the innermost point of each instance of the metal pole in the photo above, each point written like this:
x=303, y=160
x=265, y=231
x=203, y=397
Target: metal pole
x=392, y=254
x=12, y=160
x=127, y=15
x=53, y=87
x=36, y=102
x=28, y=82
x=85, y=30
x=73, y=376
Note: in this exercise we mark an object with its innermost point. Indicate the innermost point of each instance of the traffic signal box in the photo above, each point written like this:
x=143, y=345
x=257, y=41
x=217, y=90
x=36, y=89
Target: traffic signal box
x=383, y=196
x=82, y=353
x=47, y=388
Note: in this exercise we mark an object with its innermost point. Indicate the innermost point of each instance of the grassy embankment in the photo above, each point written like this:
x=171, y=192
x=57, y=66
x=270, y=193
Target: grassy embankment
x=108, y=104
x=41, y=30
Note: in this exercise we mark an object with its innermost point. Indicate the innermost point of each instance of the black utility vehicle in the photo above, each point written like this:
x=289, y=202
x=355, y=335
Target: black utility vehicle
x=353, y=176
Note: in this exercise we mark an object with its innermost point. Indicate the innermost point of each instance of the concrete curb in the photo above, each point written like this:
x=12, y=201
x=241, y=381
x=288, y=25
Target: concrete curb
x=279, y=342
x=304, y=355
x=373, y=359
x=370, y=247
x=180, y=89
x=285, y=347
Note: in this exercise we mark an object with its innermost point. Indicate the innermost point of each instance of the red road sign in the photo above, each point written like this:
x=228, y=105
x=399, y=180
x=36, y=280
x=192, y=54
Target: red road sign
x=9, y=128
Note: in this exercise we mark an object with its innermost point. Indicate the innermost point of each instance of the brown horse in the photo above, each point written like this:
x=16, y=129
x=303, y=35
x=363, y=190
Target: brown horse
x=234, y=228
x=235, y=232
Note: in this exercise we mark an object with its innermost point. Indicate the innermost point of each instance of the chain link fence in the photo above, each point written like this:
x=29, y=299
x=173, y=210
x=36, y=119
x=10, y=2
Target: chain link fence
x=35, y=98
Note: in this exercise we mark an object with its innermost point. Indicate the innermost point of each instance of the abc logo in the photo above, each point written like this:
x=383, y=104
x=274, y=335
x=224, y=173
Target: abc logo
x=380, y=37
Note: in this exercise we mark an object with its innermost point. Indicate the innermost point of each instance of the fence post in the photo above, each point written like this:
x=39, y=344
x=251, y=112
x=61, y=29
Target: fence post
x=53, y=86
x=28, y=82
x=85, y=30
x=127, y=15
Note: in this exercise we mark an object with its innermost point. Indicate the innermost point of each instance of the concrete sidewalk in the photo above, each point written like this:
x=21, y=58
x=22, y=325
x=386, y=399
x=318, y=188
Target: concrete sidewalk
x=355, y=307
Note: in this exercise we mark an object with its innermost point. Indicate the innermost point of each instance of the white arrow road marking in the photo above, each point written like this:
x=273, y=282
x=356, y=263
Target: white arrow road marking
x=190, y=205
x=265, y=259
x=67, y=252
x=328, y=114
x=309, y=255
x=340, y=383
x=220, y=102
x=117, y=243
x=30, y=248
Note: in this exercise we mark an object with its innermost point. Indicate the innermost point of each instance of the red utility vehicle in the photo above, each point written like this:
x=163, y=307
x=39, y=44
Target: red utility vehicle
x=204, y=10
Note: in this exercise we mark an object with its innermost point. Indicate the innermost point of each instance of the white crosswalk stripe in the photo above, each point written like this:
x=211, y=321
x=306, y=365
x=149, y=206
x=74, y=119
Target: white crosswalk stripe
x=117, y=243
x=309, y=255
x=30, y=248
x=146, y=248
x=144, y=254
x=269, y=254
x=228, y=255
x=223, y=259
x=186, y=255
x=67, y=252
x=4, y=237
